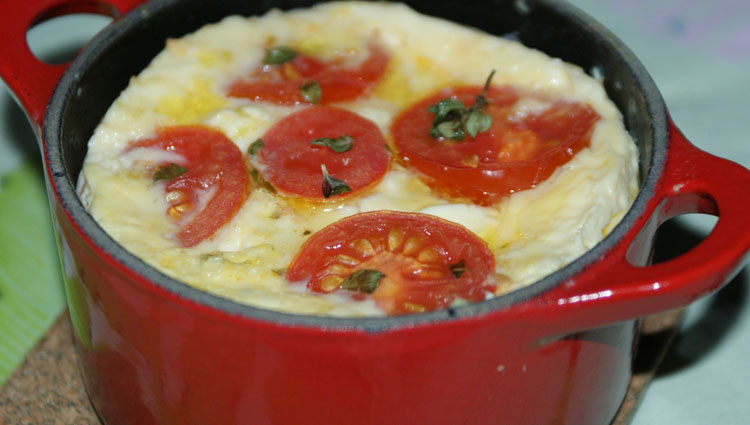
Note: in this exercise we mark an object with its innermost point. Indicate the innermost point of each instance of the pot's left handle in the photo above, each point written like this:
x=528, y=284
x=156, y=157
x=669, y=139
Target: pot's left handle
x=31, y=80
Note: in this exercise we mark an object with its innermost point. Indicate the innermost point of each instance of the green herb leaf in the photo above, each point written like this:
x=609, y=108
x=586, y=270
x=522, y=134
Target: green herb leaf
x=279, y=55
x=255, y=147
x=261, y=182
x=452, y=129
x=332, y=185
x=452, y=120
x=447, y=109
x=169, y=172
x=477, y=123
x=311, y=91
x=458, y=269
x=339, y=145
x=364, y=280
x=487, y=84
x=449, y=119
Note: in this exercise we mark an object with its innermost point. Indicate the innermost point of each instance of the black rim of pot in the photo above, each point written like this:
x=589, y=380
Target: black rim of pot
x=68, y=88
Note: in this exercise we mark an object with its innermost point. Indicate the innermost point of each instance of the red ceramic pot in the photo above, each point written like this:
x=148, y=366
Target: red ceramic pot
x=154, y=350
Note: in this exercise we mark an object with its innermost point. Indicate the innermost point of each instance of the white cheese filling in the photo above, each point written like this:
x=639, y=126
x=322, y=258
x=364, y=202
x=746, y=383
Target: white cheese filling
x=531, y=233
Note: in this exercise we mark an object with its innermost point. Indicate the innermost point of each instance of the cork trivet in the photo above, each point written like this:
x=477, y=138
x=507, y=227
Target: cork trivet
x=47, y=388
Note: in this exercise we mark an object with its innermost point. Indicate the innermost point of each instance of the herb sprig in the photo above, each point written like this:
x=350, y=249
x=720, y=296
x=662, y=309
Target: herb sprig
x=255, y=147
x=363, y=280
x=311, y=91
x=278, y=55
x=332, y=185
x=261, y=182
x=340, y=144
x=168, y=172
x=453, y=120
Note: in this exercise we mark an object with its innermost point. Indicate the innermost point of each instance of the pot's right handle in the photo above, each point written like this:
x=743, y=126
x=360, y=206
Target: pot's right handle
x=31, y=80
x=621, y=286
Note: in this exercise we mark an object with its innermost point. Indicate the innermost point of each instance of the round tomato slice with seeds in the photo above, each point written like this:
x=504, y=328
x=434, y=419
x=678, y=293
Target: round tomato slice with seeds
x=295, y=149
x=209, y=185
x=284, y=83
x=407, y=262
x=517, y=152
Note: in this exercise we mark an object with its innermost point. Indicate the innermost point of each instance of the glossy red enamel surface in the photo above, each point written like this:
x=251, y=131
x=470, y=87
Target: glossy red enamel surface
x=152, y=356
x=622, y=285
x=31, y=80
x=149, y=357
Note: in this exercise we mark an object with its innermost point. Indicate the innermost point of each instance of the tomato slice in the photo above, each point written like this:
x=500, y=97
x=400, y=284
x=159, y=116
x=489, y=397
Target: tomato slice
x=292, y=164
x=215, y=170
x=516, y=153
x=338, y=82
x=428, y=263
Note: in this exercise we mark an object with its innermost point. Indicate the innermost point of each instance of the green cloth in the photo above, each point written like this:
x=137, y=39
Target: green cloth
x=31, y=291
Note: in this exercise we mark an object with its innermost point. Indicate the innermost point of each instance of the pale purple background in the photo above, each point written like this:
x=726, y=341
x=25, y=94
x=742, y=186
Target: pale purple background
x=698, y=52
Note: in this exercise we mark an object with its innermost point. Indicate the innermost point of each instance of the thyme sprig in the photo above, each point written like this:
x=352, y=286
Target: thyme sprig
x=364, y=280
x=332, y=185
x=453, y=120
x=168, y=172
x=255, y=147
x=311, y=92
x=278, y=55
x=340, y=144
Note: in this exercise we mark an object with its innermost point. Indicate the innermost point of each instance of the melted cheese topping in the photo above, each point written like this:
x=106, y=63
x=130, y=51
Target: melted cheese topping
x=531, y=233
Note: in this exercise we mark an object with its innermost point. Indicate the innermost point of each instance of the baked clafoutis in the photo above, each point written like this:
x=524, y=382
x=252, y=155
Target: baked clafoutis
x=358, y=159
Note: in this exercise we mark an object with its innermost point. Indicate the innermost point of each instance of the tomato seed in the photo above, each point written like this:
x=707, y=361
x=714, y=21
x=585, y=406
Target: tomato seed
x=428, y=256
x=364, y=247
x=413, y=307
x=178, y=210
x=338, y=269
x=289, y=71
x=429, y=274
x=412, y=245
x=395, y=239
x=471, y=161
x=347, y=260
x=176, y=197
x=330, y=283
